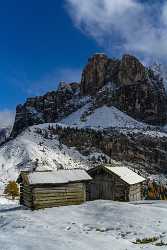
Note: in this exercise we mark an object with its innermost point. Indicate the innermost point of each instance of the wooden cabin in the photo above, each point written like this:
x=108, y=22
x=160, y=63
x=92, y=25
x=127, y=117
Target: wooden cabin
x=52, y=188
x=114, y=183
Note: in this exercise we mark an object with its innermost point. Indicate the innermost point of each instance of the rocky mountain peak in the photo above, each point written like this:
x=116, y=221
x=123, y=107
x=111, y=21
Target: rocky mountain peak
x=135, y=90
x=93, y=76
x=101, y=70
x=131, y=71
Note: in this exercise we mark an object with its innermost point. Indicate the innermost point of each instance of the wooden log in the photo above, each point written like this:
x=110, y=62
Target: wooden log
x=36, y=207
x=27, y=198
x=70, y=185
x=48, y=190
x=27, y=193
x=27, y=203
x=39, y=206
x=57, y=201
x=58, y=198
x=55, y=194
x=27, y=190
x=26, y=186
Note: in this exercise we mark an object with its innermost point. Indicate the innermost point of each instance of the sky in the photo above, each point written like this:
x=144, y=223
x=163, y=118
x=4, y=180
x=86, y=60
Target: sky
x=43, y=42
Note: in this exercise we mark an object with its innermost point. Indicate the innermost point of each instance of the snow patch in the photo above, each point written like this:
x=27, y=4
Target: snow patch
x=103, y=117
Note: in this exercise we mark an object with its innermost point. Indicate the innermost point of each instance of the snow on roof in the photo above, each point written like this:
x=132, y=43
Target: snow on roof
x=58, y=177
x=126, y=174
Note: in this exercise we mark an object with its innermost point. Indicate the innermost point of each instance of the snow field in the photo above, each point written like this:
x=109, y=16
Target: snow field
x=93, y=225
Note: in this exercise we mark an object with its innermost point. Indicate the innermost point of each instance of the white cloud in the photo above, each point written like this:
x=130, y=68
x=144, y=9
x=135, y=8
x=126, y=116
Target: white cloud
x=6, y=118
x=129, y=25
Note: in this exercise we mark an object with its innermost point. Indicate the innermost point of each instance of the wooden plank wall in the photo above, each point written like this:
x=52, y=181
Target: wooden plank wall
x=107, y=186
x=52, y=196
x=135, y=193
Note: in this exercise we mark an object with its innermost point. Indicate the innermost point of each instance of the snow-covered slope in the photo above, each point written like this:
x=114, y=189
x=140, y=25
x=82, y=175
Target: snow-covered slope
x=102, y=117
x=36, y=142
x=20, y=152
x=93, y=225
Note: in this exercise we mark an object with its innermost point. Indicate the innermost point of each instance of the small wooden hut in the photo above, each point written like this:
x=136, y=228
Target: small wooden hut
x=52, y=188
x=114, y=183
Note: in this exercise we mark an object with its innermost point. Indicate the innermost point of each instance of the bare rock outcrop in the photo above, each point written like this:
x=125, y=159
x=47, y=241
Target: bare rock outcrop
x=94, y=74
x=131, y=71
x=51, y=107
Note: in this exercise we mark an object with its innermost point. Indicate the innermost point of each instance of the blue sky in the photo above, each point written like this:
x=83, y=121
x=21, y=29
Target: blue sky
x=39, y=45
x=43, y=42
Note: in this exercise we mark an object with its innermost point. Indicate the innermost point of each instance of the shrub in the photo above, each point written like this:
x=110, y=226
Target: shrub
x=146, y=240
x=12, y=189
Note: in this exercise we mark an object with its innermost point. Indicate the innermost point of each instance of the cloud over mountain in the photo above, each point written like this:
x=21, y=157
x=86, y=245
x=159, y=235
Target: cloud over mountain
x=131, y=25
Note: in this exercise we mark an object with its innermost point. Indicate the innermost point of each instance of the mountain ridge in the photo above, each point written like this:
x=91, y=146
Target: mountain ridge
x=134, y=89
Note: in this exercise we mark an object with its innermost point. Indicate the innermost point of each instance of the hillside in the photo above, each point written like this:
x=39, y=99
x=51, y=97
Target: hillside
x=21, y=152
x=38, y=142
x=70, y=146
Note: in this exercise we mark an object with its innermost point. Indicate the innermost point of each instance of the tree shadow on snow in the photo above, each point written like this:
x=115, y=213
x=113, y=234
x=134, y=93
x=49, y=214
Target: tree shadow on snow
x=11, y=209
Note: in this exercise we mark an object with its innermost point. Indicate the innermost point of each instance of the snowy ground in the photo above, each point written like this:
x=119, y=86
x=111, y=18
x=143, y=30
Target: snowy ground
x=94, y=225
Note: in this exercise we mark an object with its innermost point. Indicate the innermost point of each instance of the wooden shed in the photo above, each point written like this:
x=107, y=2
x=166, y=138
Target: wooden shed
x=52, y=188
x=114, y=183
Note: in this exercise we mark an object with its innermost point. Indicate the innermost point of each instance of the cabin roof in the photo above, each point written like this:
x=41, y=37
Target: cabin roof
x=126, y=174
x=57, y=177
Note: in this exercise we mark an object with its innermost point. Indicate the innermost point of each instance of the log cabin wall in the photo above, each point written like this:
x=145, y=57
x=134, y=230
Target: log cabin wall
x=58, y=195
x=26, y=197
x=107, y=186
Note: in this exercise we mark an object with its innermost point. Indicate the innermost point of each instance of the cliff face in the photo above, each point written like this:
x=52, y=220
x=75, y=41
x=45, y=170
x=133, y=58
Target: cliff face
x=134, y=89
x=131, y=71
x=125, y=84
x=148, y=150
x=51, y=107
x=94, y=74
x=100, y=70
